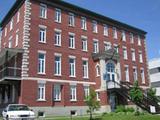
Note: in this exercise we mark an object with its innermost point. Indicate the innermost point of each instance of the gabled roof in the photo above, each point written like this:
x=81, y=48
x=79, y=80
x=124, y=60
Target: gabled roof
x=73, y=7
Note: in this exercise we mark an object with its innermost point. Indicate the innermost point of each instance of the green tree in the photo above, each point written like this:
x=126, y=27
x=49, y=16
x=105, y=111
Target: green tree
x=92, y=103
x=151, y=92
x=136, y=94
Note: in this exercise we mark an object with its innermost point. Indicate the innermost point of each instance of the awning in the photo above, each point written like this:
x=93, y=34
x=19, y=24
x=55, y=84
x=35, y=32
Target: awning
x=11, y=52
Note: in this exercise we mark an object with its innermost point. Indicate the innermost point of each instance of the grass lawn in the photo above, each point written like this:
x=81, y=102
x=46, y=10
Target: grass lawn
x=111, y=117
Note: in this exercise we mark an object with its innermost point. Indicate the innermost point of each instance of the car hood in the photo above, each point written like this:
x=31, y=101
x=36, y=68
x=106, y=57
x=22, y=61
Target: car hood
x=20, y=113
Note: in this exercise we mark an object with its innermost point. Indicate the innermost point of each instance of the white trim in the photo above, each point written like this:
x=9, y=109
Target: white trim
x=42, y=51
x=84, y=37
x=43, y=26
x=57, y=30
x=70, y=33
x=86, y=59
x=57, y=80
x=71, y=56
x=96, y=40
x=58, y=54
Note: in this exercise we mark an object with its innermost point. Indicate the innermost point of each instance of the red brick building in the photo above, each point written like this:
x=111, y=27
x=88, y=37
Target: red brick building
x=53, y=51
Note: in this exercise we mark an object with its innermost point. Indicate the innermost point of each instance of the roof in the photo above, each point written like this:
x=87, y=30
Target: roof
x=73, y=7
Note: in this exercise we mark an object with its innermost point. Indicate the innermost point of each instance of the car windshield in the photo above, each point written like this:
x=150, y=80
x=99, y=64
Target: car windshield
x=18, y=108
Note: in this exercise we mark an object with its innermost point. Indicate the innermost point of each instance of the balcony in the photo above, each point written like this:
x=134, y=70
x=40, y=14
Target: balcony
x=10, y=64
x=112, y=85
x=10, y=73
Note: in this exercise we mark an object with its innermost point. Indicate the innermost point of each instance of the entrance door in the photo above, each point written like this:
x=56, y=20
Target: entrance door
x=112, y=100
x=110, y=68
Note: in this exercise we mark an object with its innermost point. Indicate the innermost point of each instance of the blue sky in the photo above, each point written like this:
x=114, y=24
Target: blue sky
x=144, y=14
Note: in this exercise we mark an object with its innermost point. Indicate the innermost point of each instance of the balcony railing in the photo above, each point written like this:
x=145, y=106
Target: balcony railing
x=112, y=84
x=10, y=73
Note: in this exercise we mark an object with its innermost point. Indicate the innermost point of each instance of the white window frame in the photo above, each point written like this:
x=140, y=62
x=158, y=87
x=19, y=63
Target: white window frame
x=17, y=38
x=71, y=19
x=131, y=38
x=42, y=33
x=86, y=91
x=142, y=76
x=133, y=54
x=140, y=57
x=95, y=46
x=139, y=41
x=105, y=31
x=10, y=43
x=5, y=32
x=125, y=55
x=94, y=26
x=116, y=48
x=84, y=43
x=58, y=15
x=57, y=92
x=72, y=66
x=135, y=76
x=73, y=93
x=72, y=40
x=98, y=96
x=41, y=62
x=115, y=35
x=123, y=34
x=11, y=24
x=18, y=16
x=41, y=92
x=126, y=73
x=57, y=37
x=83, y=23
x=85, y=68
x=57, y=65
x=43, y=11
x=98, y=71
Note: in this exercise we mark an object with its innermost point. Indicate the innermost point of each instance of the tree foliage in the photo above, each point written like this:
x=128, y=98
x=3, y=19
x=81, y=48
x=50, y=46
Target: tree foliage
x=151, y=93
x=92, y=103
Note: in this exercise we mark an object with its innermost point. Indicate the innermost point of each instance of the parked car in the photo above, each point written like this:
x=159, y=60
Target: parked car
x=18, y=112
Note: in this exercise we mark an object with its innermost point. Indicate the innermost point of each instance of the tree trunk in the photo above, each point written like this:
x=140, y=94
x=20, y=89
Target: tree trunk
x=90, y=114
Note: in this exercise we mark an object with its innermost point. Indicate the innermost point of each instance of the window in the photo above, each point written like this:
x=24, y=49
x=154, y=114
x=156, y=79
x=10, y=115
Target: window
x=17, y=38
x=125, y=56
x=57, y=92
x=110, y=68
x=43, y=11
x=11, y=24
x=41, y=63
x=123, y=35
x=86, y=91
x=127, y=73
x=142, y=76
x=72, y=67
x=85, y=68
x=84, y=44
x=57, y=65
x=116, y=48
x=98, y=96
x=72, y=40
x=5, y=33
x=97, y=70
x=107, y=46
x=83, y=23
x=131, y=38
x=42, y=34
x=95, y=46
x=105, y=30
x=140, y=57
x=71, y=19
x=10, y=43
x=73, y=93
x=94, y=27
x=41, y=91
x=135, y=73
x=115, y=33
x=139, y=40
x=58, y=15
x=57, y=37
x=133, y=55
x=18, y=16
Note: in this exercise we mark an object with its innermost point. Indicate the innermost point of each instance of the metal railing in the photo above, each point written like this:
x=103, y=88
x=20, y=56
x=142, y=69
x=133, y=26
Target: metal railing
x=10, y=72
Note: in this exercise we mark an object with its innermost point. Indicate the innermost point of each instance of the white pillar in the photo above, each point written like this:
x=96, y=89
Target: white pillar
x=6, y=97
x=103, y=71
x=0, y=97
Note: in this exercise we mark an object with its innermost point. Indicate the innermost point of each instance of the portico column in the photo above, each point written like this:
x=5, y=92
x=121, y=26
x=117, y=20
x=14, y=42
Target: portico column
x=6, y=96
x=103, y=72
x=13, y=93
x=0, y=95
